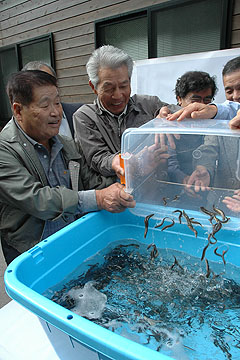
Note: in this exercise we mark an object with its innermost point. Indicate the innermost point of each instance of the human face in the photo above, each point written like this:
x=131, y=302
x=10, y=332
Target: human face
x=231, y=84
x=203, y=96
x=42, y=118
x=113, y=89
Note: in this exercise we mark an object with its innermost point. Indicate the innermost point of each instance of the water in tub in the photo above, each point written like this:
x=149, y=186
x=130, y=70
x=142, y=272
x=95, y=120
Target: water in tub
x=171, y=302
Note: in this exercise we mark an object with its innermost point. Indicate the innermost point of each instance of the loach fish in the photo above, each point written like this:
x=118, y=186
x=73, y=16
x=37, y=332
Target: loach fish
x=154, y=251
x=209, y=239
x=176, y=263
x=146, y=224
x=215, y=228
x=205, y=211
x=221, y=255
x=221, y=213
x=195, y=222
x=189, y=224
x=165, y=200
x=207, y=268
x=204, y=251
x=161, y=223
x=213, y=214
x=168, y=226
x=176, y=197
x=180, y=215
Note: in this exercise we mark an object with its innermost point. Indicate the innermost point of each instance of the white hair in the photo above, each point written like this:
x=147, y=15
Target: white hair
x=107, y=56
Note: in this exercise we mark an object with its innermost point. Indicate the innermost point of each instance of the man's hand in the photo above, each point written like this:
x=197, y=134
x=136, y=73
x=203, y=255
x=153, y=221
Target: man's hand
x=234, y=124
x=116, y=166
x=163, y=112
x=150, y=157
x=233, y=203
x=114, y=199
x=194, y=111
x=200, y=180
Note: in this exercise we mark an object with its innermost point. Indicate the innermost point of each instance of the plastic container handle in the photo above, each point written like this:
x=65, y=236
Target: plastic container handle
x=122, y=177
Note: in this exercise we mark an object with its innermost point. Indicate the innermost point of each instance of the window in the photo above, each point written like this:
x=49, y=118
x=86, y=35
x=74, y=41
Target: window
x=172, y=28
x=8, y=65
x=13, y=58
x=128, y=34
x=188, y=29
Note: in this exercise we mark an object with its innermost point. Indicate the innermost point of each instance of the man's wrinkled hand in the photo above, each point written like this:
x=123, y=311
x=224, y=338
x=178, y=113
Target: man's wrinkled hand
x=234, y=124
x=194, y=111
x=198, y=181
x=233, y=203
x=163, y=112
x=114, y=199
x=151, y=157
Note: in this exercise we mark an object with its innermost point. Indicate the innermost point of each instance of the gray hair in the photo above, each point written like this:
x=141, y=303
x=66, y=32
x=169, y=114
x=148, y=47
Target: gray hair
x=37, y=65
x=107, y=56
x=231, y=66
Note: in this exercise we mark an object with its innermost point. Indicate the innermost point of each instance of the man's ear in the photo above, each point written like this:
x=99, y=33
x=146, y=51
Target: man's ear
x=93, y=87
x=179, y=100
x=17, y=110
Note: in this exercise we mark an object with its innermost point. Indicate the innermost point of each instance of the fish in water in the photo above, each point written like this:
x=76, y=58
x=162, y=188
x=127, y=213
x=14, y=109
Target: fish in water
x=162, y=222
x=146, y=220
x=176, y=263
x=204, y=251
x=221, y=255
x=207, y=268
x=168, y=226
x=189, y=223
x=221, y=213
x=180, y=215
x=154, y=251
x=165, y=200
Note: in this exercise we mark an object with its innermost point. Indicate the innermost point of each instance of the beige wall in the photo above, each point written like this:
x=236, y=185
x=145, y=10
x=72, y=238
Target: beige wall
x=72, y=25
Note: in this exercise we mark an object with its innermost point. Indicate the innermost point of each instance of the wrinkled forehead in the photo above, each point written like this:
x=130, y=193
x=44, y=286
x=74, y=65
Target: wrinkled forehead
x=44, y=92
x=109, y=76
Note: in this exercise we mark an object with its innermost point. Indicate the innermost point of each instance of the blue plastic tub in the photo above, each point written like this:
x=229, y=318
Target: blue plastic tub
x=48, y=263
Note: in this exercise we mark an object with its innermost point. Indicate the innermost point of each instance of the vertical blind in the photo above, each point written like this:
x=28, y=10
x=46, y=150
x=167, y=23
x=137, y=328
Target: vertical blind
x=188, y=29
x=129, y=35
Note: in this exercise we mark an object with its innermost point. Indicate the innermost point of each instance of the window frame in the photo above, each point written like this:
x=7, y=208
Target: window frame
x=36, y=40
x=17, y=50
x=225, y=30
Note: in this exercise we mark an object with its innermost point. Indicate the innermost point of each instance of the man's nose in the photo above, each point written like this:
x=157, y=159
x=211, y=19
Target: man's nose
x=236, y=95
x=55, y=110
x=117, y=93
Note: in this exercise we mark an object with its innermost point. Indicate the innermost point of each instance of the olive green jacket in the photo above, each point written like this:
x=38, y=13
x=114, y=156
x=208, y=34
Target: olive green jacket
x=26, y=199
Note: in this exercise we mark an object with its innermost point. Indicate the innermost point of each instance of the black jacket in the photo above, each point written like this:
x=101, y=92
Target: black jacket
x=69, y=109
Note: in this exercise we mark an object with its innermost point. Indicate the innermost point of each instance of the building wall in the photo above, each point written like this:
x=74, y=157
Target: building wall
x=236, y=25
x=72, y=25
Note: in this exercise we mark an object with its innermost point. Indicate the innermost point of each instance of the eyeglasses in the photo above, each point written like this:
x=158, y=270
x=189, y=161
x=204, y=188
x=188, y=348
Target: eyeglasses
x=200, y=99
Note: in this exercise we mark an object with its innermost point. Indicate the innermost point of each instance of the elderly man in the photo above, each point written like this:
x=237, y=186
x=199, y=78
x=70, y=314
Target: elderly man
x=231, y=79
x=44, y=182
x=99, y=126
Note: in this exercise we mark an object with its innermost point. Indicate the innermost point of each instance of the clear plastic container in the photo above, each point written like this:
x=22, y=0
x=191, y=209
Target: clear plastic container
x=165, y=162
